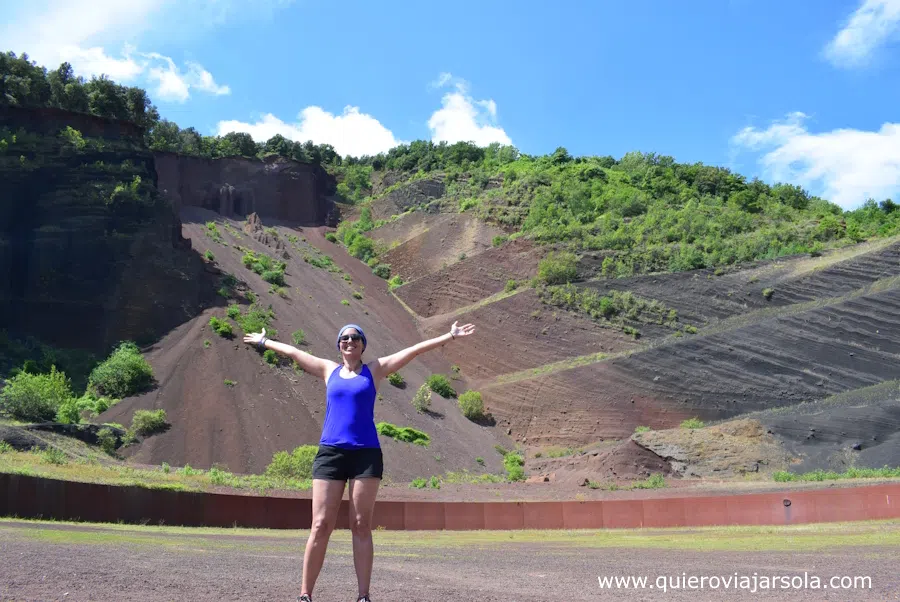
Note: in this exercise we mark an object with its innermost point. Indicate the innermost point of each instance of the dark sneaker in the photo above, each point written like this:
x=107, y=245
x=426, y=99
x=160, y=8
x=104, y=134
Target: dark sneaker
x=363, y=599
x=304, y=598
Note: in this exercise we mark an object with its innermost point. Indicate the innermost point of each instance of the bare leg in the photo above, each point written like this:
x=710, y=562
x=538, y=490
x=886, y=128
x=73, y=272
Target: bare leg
x=362, y=505
x=326, y=502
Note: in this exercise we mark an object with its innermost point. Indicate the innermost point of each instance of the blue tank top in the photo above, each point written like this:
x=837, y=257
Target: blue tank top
x=350, y=411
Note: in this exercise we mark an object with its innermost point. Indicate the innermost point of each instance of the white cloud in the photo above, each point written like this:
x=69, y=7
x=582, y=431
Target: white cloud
x=85, y=34
x=94, y=61
x=875, y=22
x=461, y=120
x=203, y=80
x=174, y=86
x=351, y=133
x=845, y=166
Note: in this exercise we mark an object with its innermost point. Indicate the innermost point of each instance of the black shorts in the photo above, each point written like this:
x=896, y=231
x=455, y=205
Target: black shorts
x=342, y=464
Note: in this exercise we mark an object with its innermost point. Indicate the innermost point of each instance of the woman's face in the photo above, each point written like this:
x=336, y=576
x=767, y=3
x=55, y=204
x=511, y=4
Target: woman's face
x=351, y=344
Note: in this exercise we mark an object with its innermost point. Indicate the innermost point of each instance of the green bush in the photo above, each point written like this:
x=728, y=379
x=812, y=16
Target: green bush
x=471, y=405
x=514, y=464
x=124, y=373
x=558, y=268
x=330, y=237
x=406, y=434
x=767, y=293
x=692, y=423
x=221, y=327
x=271, y=357
x=296, y=465
x=233, y=311
x=256, y=319
x=395, y=379
x=107, y=440
x=511, y=285
x=382, y=270
x=422, y=399
x=440, y=384
x=35, y=397
x=395, y=282
x=147, y=422
x=68, y=412
x=298, y=336
x=499, y=240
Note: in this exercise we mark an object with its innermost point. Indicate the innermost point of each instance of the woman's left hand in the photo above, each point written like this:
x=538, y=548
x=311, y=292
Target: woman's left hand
x=461, y=331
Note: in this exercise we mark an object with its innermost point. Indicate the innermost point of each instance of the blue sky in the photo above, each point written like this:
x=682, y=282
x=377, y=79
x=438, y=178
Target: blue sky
x=804, y=91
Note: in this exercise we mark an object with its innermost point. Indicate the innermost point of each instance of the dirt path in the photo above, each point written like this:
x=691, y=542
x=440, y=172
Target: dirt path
x=43, y=561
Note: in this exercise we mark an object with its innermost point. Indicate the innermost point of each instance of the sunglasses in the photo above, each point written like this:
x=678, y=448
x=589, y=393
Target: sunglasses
x=350, y=337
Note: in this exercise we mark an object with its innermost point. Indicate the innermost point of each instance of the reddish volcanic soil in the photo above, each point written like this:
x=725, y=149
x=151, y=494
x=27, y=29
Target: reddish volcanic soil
x=270, y=409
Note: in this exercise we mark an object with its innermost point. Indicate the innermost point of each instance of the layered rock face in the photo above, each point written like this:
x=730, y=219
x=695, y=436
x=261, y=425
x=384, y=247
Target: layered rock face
x=90, y=254
x=275, y=188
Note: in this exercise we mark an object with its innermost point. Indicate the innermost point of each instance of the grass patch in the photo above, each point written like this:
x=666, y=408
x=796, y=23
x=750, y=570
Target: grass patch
x=692, y=423
x=112, y=472
x=885, y=472
x=405, y=433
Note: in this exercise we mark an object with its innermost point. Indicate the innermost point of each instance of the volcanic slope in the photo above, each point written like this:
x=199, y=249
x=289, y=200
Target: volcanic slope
x=771, y=334
x=227, y=406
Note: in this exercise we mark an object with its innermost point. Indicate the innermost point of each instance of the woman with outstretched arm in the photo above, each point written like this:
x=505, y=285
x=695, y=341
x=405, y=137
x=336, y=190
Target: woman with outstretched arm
x=349, y=450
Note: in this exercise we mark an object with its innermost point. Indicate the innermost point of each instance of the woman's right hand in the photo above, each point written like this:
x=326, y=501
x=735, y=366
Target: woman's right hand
x=255, y=337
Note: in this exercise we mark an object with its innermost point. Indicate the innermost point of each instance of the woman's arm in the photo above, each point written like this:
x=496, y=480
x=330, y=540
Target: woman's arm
x=310, y=363
x=384, y=366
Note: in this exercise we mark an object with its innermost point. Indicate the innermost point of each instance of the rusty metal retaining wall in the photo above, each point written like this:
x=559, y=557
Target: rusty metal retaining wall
x=34, y=497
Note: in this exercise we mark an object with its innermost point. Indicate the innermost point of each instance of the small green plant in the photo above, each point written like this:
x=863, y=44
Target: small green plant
x=357, y=295
x=53, y=455
x=499, y=240
x=514, y=464
x=229, y=383
x=419, y=483
x=293, y=465
x=395, y=379
x=692, y=423
x=690, y=329
x=147, y=422
x=209, y=256
x=271, y=357
x=298, y=336
x=233, y=311
x=655, y=481
x=767, y=293
x=435, y=482
x=221, y=327
x=422, y=399
x=511, y=285
x=107, y=440
x=395, y=282
x=479, y=460
x=206, y=344
x=641, y=429
x=166, y=468
x=471, y=405
x=440, y=384
x=5, y=447
x=330, y=237
x=345, y=302
x=382, y=270
x=405, y=434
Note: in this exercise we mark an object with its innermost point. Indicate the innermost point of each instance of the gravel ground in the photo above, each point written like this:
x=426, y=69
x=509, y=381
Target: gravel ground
x=44, y=561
